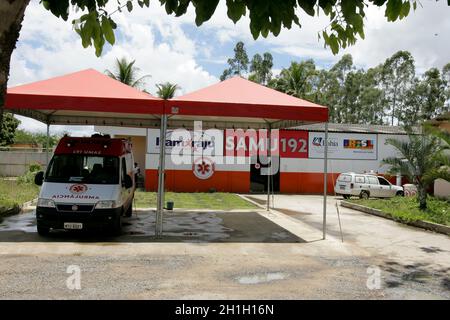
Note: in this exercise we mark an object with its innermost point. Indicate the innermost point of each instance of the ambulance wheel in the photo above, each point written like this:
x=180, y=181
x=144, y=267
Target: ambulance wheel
x=42, y=231
x=346, y=196
x=364, y=195
x=129, y=211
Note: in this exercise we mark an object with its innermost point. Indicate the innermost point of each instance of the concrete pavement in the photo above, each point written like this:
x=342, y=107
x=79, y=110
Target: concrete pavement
x=232, y=255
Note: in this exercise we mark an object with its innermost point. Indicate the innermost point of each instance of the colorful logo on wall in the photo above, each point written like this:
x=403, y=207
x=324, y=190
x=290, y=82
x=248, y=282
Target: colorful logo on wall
x=317, y=141
x=320, y=142
x=203, y=168
x=358, y=144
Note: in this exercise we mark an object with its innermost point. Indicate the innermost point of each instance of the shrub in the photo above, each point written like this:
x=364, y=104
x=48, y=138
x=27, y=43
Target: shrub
x=28, y=177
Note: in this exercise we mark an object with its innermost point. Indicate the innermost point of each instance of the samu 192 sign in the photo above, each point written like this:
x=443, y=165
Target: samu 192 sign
x=293, y=144
x=286, y=143
x=358, y=146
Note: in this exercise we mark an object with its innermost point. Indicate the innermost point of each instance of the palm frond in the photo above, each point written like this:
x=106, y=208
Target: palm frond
x=166, y=90
x=126, y=72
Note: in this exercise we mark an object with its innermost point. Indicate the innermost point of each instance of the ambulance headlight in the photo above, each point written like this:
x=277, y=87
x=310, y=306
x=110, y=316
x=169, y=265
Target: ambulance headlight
x=106, y=204
x=47, y=203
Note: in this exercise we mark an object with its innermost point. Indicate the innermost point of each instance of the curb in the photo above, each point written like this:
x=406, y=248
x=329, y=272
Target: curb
x=9, y=212
x=17, y=209
x=28, y=203
x=431, y=226
x=264, y=207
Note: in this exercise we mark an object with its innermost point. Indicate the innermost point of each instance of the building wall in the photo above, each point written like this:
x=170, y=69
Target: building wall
x=442, y=187
x=297, y=175
x=306, y=175
x=181, y=178
x=15, y=163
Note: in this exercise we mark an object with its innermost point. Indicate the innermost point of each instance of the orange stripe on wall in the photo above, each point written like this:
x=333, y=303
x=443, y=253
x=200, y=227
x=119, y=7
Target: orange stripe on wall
x=239, y=181
x=186, y=181
x=306, y=182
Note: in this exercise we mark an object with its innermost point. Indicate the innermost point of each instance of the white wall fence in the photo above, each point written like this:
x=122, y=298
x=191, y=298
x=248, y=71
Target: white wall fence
x=15, y=161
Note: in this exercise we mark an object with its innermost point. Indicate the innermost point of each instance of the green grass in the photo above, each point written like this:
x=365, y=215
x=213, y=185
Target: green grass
x=214, y=201
x=407, y=208
x=13, y=193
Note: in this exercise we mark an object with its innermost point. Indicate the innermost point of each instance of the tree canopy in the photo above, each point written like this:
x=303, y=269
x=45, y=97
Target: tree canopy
x=419, y=160
x=8, y=129
x=389, y=93
x=96, y=24
x=238, y=64
x=36, y=138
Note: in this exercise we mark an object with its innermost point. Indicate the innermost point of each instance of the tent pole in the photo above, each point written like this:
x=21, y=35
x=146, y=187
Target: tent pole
x=269, y=153
x=325, y=181
x=162, y=160
x=47, y=156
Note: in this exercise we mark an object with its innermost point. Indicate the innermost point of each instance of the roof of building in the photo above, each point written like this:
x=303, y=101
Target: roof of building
x=357, y=128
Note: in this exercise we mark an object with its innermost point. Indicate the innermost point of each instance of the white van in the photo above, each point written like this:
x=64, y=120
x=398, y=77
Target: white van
x=364, y=186
x=89, y=184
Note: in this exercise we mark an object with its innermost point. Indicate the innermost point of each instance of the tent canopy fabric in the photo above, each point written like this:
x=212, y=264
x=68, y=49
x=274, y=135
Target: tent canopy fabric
x=247, y=102
x=89, y=97
x=85, y=97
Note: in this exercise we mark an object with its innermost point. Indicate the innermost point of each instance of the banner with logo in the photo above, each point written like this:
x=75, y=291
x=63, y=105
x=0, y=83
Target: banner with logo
x=209, y=142
x=352, y=146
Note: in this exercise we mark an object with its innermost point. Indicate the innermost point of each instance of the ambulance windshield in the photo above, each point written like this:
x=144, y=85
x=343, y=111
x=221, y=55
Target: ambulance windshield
x=83, y=168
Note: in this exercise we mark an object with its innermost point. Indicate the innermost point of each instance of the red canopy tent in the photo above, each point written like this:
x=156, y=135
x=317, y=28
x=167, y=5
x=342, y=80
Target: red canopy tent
x=90, y=98
x=243, y=103
x=86, y=97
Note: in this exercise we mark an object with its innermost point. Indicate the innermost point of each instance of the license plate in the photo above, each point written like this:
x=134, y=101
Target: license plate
x=342, y=187
x=73, y=225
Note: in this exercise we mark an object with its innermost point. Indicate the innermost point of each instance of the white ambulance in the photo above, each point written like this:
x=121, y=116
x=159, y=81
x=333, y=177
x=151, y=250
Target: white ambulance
x=89, y=184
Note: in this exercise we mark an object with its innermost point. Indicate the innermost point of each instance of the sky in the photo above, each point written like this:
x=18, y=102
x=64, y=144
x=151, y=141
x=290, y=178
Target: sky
x=174, y=49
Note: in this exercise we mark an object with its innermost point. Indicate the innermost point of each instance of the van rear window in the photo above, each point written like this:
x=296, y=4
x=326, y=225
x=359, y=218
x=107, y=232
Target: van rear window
x=345, y=178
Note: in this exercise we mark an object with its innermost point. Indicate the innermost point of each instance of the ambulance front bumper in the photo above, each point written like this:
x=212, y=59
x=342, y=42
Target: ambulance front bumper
x=93, y=220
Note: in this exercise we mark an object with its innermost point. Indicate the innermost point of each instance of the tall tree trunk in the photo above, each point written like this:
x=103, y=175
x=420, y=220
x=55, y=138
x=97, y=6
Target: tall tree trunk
x=422, y=194
x=11, y=17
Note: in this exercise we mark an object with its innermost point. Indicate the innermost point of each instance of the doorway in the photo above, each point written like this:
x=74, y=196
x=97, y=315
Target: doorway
x=258, y=182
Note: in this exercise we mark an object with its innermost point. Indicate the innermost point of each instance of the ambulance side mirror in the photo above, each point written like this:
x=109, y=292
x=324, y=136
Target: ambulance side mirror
x=39, y=178
x=128, y=182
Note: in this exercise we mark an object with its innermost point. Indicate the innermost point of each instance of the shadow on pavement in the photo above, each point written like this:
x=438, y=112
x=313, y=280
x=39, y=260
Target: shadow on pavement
x=400, y=275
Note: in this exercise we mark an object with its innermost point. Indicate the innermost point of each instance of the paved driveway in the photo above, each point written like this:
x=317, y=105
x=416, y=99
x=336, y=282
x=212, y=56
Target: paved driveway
x=231, y=255
x=406, y=255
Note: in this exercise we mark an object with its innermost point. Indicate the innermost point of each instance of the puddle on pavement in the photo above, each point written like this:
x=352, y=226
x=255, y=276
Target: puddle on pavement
x=262, y=278
x=25, y=222
x=204, y=226
x=194, y=225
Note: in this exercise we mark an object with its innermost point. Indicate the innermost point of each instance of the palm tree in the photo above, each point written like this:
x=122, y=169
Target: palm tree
x=126, y=73
x=420, y=160
x=166, y=90
x=297, y=79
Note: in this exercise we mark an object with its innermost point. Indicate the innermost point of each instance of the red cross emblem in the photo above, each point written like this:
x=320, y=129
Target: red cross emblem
x=78, y=188
x=203, y=168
